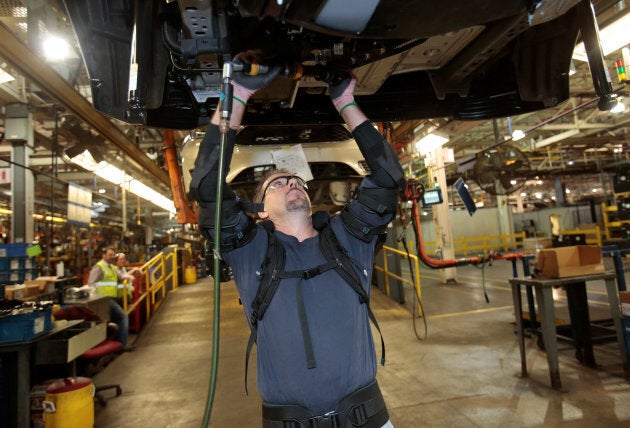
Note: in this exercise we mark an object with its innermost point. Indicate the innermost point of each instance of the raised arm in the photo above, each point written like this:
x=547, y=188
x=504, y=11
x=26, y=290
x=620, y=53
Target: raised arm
x=378, y=193
x=203, y=186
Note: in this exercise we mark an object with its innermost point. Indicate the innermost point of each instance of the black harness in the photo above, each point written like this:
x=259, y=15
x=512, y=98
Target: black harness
x=272, y=270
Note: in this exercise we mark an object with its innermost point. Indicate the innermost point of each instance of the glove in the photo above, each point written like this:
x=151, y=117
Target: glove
x=244, y=84
x=342, y=93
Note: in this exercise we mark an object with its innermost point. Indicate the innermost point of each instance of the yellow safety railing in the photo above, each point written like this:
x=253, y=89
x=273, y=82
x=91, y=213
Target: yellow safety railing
x=593, y=236
x=387, y=273
x=155, y=278
x=483, y=244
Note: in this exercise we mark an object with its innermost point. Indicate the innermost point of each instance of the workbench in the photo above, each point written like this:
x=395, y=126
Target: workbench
x=95, y=302
x=579, y=315
x=78, y=336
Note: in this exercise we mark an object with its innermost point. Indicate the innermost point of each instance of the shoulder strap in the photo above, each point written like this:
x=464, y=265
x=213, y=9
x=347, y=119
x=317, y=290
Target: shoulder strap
x=332, y=250
x=270, y=271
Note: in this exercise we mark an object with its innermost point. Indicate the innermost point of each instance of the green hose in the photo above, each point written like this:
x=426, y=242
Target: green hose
x=217, y=282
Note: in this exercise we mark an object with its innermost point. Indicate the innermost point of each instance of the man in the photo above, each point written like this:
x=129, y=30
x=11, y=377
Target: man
x=121, y=268
x=105, y=277
x=315, y=352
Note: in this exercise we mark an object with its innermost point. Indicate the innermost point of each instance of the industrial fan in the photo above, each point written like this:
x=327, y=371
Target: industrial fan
x=501, y=170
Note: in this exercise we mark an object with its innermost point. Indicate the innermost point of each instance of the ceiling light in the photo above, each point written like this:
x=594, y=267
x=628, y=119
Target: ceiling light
x=118, y=177
x=5, y=77
x=619, y=107
x=55, y=49
x=612, y=37
x=518, y=134
x=430, y=142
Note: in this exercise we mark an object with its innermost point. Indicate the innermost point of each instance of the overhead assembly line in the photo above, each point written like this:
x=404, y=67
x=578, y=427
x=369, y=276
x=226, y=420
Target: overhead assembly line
x=330, y=213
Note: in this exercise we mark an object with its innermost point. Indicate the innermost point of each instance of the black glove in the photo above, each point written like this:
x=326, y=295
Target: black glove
x=339, y=85
x=245, y=84
x=342, y=93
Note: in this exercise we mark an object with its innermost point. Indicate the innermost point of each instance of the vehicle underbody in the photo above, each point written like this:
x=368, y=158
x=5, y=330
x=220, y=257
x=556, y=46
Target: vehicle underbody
x=466, y=59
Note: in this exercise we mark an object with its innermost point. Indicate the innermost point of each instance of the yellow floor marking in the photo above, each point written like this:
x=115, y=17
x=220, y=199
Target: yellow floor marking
x=476, y=311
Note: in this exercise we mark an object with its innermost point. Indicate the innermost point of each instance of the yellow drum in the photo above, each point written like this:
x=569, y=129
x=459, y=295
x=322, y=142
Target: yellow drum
x=69, y=403
x=190, y=275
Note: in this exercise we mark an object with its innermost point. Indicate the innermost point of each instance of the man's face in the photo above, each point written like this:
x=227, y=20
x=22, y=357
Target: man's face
x=121, y=260
x=109, y=256
x=285, y=193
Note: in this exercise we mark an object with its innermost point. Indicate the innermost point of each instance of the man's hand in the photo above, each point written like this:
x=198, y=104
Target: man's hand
x=244, y=84
x=342, y=94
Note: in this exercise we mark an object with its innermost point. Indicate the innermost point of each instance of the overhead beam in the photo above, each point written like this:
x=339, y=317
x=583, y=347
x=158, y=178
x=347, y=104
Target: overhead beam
x=34, y=68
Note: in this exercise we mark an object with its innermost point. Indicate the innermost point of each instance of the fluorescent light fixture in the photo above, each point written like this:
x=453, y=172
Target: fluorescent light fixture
x=430, y=142
x=118, y=177
x=518, y=134
x=55, y=49
x=612, y=37
x=5, y=77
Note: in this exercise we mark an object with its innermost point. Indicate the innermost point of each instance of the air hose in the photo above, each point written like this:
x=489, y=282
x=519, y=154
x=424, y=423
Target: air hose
x=224, y=128
x=414, y=192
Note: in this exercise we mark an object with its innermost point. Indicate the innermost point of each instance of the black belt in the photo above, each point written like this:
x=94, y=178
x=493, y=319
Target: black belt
x=363, y=408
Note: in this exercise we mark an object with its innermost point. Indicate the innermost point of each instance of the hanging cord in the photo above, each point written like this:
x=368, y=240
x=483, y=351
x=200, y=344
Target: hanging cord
x=224, y=127
x=417, y=300
x=487, y=260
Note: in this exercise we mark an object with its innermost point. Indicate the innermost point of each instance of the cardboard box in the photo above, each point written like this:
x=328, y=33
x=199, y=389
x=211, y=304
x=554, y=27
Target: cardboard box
x=31, y=290
x=16, y=292
x=46, y=283
x=565, y=262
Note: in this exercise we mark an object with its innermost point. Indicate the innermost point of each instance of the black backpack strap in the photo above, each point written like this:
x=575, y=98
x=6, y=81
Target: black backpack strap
x=270, y=270
x=333, y=250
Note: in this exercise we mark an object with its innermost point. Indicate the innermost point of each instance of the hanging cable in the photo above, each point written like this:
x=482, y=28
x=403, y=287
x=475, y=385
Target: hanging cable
x=224, y=128
x=417, y=301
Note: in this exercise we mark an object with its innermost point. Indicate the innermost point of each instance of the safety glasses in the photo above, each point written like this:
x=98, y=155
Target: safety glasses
x=283, y=181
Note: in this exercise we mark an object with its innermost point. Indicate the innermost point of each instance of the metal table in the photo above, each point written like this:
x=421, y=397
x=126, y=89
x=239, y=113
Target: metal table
x=579, y=314
x=95, y=302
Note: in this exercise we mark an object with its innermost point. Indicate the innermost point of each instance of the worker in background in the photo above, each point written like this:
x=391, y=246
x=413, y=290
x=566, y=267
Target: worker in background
x=316, y=359
x=121, y=267
x=105, y=277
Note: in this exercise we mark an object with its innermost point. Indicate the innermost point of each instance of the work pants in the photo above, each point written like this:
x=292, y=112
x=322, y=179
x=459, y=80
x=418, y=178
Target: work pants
x=120, y=317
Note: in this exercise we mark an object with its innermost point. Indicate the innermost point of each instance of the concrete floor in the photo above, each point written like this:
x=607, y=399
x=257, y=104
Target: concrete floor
x=466, y=373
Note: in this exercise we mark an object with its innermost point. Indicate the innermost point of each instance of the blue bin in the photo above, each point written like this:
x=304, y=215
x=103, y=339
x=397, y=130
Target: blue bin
x=14, y=250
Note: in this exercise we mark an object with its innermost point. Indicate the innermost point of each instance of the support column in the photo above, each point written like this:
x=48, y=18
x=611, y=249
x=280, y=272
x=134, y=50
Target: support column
x=559, y=187
x=503, y=216
x=519, y=202
x=19, y=131
x=123, y=196
x=148, y=226
x=442, y=218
